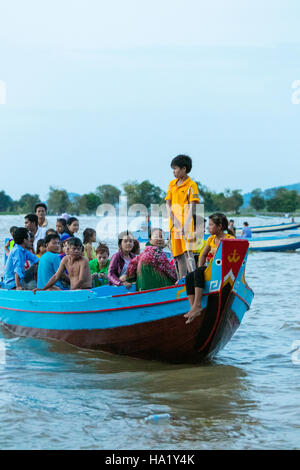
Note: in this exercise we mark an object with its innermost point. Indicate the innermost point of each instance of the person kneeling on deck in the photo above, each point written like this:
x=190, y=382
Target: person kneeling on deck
x=77, y=267
x=194, y=281
x=14, y=274
x=49, y=263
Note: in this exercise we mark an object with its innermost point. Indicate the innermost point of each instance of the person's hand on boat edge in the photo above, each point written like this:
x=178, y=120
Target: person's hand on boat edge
x=35, y=290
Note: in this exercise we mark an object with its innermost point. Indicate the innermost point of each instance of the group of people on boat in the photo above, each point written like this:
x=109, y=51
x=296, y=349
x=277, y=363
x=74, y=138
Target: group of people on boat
x=42, y=258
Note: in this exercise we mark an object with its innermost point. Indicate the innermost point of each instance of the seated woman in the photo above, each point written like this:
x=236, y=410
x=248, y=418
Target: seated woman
x=119, y=261
x=194, y=281
x=152, y=269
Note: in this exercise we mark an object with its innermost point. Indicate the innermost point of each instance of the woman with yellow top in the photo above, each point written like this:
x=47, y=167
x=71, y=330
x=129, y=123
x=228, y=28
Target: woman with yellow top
x=218, y=229
x=180, y=200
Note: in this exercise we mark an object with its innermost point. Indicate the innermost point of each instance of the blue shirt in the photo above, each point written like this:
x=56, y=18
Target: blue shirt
x=48, y=265
x=247, y=233
x=16, y=264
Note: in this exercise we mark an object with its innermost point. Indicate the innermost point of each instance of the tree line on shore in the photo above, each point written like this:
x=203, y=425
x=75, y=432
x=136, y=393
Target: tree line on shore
x=59, y=200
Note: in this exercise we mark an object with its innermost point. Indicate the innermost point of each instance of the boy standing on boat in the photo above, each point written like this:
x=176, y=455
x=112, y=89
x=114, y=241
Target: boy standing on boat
x=77, y=267
x=180, y=200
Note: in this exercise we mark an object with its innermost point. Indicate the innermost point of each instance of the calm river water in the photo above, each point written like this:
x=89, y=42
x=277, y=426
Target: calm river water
x=55, y=396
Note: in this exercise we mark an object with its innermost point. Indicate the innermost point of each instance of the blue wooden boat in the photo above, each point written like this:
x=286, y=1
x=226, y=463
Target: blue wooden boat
x=147, y=324
x=272, y=228
x=282, y=243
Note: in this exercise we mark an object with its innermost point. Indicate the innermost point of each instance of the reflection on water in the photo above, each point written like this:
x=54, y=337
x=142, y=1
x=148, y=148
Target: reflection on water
x=56, y=396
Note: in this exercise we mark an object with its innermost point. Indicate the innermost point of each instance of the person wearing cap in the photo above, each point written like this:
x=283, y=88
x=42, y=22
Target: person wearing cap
x=40, y=210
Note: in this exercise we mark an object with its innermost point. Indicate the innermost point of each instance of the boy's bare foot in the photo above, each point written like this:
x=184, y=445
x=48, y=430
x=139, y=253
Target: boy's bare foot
x=192, y=314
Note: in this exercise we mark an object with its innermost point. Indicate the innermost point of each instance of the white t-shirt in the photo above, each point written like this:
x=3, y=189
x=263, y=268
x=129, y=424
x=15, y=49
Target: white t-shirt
x=41, y=232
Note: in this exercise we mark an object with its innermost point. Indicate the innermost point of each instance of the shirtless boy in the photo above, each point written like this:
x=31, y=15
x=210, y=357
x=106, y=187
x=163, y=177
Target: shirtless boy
x=77, y=267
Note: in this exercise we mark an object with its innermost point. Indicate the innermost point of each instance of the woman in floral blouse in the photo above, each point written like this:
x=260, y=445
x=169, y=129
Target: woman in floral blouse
x=152, y=269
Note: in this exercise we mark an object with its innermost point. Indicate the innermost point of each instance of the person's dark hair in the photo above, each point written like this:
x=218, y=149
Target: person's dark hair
x=51, y=236
x=51, y=231
x=62, y=221
x=40, y=204
x=183, y=161
x=20, y=234
x=122, y=235
x=221, y=220
x=69, y=222
x=12, y=230
x=246, y=224
x=32, y=218
x=102, y=248
x=136, y=247
x=74, y=241
x=40, y=243
x=87, y=235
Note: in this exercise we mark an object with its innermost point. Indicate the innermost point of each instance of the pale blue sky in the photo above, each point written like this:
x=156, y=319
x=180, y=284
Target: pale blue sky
x=103, y=92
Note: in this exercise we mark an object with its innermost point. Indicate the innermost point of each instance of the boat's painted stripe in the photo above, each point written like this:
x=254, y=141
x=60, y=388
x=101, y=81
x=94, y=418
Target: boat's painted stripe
x=97, y=311
x=149, y=290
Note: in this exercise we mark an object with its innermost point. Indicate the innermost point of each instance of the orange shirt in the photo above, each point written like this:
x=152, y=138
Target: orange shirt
x=182, y=195
x=211, y=242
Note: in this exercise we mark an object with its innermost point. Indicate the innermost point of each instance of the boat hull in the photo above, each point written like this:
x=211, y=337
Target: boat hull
x=146, y=325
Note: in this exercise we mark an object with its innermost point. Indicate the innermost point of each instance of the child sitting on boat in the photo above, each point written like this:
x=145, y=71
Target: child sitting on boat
x=99, y=266
x=77, y=266
x=10, y=243
x=194, y=281
x=72, y=226
x=40, y=248
x=61, y=225
x=119, y=262
x=14, y=273
x=49, y=263
x=152, y=269
x=89, y=237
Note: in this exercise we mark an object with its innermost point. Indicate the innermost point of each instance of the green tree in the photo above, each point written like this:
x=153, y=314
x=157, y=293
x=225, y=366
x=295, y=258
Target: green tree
x=257, y=200
x=284, y=200
x=108, y=194
x=27, y=202
x=58, y=201
x=6, y=202
x=88, y=203
x=233, y=200
x=143, y=193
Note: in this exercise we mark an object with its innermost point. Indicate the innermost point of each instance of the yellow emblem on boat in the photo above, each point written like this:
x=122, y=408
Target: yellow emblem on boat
x=233, y=257
x=180, y=292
